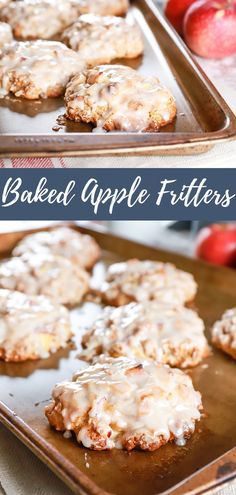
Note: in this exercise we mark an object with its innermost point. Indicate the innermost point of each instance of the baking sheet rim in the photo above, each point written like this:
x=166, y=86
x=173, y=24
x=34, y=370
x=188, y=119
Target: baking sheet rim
x=191, y=140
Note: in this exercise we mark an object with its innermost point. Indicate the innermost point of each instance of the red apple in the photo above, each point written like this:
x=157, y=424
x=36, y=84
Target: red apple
x=210, y=28
x=175, y=11
x=217, y=244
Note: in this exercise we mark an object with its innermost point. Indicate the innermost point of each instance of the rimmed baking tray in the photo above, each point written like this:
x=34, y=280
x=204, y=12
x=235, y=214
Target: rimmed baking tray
x=208, y=459
x=203, y=116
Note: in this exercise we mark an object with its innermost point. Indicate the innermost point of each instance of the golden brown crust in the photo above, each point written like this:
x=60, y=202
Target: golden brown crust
x=225, y=348
x=151, y=330
x=15, y=357
x=45, y=274
x=32, y=327
x=140, y=281
x=119, y=300
x=55, y=418
x=115, y=97
x=129, y=442
x=181, y=356
x=39, y=19
x=99, y=39
x=80, y=249
x=39, y=69
x=5, y=34
x=104, y=7
x=21, y=86
x=224, y=333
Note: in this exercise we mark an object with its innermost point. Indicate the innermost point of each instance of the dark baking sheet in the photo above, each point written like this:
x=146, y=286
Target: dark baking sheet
x=203, y=116
x=25, y=390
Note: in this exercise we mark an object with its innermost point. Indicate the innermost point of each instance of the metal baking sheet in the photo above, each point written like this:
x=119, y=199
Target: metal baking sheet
x=208, y=459
x=203, y=118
